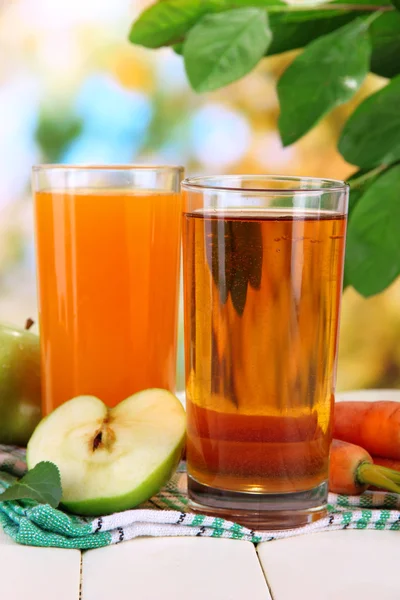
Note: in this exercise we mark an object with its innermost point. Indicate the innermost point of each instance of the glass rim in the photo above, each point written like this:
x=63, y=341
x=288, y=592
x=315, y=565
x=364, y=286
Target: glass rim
x=216, y=183
x=116, y=167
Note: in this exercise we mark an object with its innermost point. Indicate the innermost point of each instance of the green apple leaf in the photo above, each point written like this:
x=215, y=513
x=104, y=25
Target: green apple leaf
x=385, y=40
x=166, y=22
x=371, y=136
x=327, y=74
x=223, y=47
x=289, y=33
x=42, y=483
x=359, y=183
x=373, y=240
x=178, y=48
x=228, y=4
x=291, y=30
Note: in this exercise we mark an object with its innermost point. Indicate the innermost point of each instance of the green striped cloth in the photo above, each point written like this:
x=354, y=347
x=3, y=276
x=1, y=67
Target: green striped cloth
x=167, y=514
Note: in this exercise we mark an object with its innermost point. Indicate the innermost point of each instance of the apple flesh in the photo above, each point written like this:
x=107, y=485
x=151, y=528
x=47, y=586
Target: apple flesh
x=20, y=384
x=111, y=459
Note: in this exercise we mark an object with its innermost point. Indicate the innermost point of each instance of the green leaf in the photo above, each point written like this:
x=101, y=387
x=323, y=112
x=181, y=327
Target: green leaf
x=228, y=4
x=223, y=47
x=396, y=4
x=328, y=73
x=42, y=483
x=359, y=183
x=178, y=48
x=296, y=29
x=385, y=40
x=169, y=21
x=289, y=34
x=166, y=22
x=371, y=136
x=373, y=239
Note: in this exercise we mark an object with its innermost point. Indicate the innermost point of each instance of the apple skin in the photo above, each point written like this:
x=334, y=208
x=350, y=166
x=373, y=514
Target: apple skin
x=103, y=505
x=20, y=385
x=150, y=487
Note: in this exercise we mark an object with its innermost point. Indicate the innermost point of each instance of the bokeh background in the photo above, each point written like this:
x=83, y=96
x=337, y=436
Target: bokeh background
x=72, y=90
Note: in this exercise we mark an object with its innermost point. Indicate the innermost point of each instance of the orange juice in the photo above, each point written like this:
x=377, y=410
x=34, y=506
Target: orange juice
x=108, y=270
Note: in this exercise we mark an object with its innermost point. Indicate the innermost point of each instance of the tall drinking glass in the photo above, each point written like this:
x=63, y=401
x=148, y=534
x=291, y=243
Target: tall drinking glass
x=263, y=270
x=108, y=249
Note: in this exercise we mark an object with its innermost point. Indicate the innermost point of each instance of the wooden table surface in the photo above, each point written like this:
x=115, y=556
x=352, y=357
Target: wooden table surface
x=337, y=565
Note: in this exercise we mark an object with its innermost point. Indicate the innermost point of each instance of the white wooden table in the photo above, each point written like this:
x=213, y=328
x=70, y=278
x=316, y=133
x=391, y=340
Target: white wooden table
x=339, y=565
x=336, y=565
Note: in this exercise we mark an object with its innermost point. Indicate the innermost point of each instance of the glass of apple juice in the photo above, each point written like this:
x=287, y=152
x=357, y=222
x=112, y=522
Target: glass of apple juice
x=263, y=271
x=108, y=254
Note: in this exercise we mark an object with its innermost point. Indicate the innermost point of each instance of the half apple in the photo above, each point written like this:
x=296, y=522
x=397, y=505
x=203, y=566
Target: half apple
x=111, y=459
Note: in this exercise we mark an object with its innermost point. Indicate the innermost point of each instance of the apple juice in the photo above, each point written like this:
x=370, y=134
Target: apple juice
x=108, y=268
x=261, y=352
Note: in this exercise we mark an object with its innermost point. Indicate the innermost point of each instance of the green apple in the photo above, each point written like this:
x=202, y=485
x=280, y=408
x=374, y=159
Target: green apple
x=20, y=384
x=111, y=459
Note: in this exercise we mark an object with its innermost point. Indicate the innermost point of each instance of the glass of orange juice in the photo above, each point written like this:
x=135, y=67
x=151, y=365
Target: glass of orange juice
x=108, y=253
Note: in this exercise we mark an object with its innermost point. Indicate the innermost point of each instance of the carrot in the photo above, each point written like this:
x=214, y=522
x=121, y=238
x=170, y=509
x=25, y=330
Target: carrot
x=374, y=426
x=385, y=462
x=351, y=471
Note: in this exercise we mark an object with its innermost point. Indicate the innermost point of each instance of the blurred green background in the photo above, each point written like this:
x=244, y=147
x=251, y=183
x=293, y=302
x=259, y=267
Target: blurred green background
x=74, y=90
